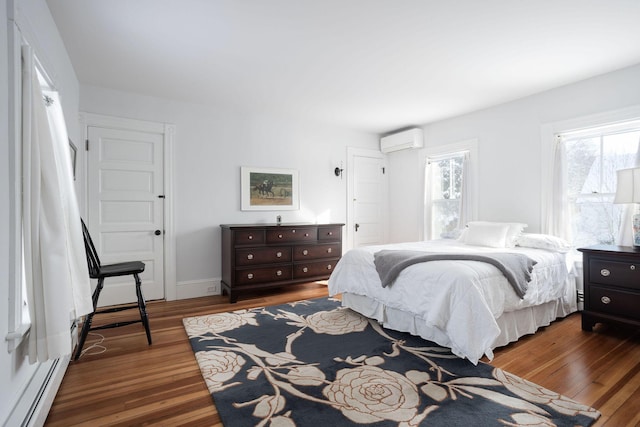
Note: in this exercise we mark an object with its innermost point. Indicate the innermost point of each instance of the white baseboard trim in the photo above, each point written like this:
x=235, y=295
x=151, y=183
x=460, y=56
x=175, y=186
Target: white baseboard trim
x=197, y=288
x=34, y=404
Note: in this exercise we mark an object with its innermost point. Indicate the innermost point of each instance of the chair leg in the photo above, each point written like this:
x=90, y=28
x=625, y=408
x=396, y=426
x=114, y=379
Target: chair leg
x=86, y=325
x=142, y=306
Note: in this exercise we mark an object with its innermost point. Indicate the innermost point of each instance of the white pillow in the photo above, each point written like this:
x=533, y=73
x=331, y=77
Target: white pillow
x=493, y=235
x=543, y=241
x=515, y=230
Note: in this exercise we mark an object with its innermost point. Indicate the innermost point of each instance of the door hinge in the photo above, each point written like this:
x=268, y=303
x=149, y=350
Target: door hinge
x=86, y=145
x=383, y=170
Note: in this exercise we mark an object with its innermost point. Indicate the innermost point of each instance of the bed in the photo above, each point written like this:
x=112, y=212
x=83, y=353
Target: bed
x=467, y=306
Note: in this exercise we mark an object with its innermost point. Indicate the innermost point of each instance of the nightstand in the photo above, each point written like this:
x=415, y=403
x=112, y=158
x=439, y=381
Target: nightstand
x=611, y=285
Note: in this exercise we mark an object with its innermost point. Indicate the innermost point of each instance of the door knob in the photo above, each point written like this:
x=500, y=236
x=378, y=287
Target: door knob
x=157, y=232
x=357, y=226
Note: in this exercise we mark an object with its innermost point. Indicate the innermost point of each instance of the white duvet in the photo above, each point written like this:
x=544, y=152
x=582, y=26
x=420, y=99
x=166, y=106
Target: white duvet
x=460, y=299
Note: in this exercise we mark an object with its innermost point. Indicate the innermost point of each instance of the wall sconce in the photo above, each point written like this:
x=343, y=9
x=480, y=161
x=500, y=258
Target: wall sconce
x=628, y=191
x=338, y=171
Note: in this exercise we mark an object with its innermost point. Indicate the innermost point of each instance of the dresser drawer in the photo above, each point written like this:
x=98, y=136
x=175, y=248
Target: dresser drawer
x=615, y=273
x=309, y=252
x=314, y=269
x=248, y=237
x=292, y=234
x=330, y=233
x=269, y=255
x=619, y=303
x=247, y=276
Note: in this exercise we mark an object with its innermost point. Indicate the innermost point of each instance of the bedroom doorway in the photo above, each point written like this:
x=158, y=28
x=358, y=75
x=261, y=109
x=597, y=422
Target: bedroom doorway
x=367, y=198
x=125, y=205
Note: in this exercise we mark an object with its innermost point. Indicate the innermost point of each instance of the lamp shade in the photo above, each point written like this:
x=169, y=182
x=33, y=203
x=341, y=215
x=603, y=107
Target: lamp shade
x=628, y=188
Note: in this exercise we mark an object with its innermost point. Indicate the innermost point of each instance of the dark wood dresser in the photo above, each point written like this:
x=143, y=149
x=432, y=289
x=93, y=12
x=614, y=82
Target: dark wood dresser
x=270, y=255
x=611, y=285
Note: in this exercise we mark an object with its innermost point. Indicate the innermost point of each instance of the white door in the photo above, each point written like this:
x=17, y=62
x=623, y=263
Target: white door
x=367, y=219
x=126, y=207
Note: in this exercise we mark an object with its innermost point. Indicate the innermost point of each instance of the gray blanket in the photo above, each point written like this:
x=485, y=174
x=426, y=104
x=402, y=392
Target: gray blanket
x=516, y=268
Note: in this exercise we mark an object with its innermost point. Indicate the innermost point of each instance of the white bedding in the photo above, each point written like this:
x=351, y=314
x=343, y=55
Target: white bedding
x=458, y=301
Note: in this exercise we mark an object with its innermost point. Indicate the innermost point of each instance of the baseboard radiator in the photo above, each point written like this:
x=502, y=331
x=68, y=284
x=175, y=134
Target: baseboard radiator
x=36, y=400
x=33, y=407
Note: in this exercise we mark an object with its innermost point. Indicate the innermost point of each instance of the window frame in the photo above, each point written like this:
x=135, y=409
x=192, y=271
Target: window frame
x=446, y=150
x=599, y=195
x=19, y=322
x=17, y=326
x=548, y=134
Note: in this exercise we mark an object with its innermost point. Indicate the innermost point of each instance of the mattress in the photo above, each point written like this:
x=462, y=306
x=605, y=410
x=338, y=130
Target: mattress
x=467, y=306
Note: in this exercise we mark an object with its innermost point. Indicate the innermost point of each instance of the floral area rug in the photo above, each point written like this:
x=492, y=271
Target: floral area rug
x=314, y=363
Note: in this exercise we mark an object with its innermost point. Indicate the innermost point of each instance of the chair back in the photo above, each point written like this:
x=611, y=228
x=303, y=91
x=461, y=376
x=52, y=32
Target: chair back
x=93, y=261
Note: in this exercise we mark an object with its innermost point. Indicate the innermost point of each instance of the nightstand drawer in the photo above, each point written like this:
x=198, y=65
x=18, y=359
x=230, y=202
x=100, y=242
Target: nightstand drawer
x=615, y=273
x=619, y=303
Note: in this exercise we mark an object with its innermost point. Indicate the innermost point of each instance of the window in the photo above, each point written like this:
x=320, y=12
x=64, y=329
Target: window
x=592, y=157
x=449, y=193
x=19, y=318
x=445, y=181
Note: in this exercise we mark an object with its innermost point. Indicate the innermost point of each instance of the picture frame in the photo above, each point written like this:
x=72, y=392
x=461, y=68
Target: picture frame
x=269, y=189
x=73, y=152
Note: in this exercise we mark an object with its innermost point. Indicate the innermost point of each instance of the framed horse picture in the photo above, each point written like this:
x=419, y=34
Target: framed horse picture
x=269, y=189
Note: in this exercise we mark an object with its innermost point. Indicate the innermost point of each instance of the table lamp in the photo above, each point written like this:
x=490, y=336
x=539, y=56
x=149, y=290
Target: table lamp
x=628, y=191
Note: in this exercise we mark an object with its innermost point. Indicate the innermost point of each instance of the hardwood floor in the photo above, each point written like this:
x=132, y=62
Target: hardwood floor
x=130, y=383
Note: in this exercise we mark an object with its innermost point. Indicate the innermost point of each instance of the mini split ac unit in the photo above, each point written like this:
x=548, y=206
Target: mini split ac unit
x=411, y=138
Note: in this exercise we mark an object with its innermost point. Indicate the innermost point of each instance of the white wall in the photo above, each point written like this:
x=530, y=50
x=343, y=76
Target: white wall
x=509, y=149
x=211, y=144
x=36, y=24
x=405, y=195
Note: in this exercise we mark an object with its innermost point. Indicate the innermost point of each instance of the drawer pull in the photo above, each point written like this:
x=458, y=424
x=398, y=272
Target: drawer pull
x=280, y=235
x=250, y=256
x=329, y=251
x=293, y=231
x=632, y=267
x=329, y=267
x=279, y=255
x=330, y=233
x=250, y=276
x=250, y=237
x=305, y=269
x=306, y=234
x=279, y=273
x=604, y=272
x=305, y=252
x=605, y=300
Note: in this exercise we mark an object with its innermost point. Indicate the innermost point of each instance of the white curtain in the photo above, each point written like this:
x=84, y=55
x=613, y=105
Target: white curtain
x=57, y=278
x=428, y=199
x=625, y=235
x=465, y=199
x=558, y=221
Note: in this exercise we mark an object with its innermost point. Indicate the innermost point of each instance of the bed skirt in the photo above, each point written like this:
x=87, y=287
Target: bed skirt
x=513, y=325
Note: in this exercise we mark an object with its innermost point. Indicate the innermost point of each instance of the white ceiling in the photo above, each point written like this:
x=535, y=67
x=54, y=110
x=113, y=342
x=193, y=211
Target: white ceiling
x=369, y=65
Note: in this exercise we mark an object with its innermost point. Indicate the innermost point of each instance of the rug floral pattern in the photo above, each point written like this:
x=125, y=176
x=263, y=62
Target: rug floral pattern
x=314, y=363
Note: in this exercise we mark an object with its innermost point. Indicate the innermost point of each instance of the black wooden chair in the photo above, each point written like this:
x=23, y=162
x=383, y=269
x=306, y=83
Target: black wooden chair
x=101, y=272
